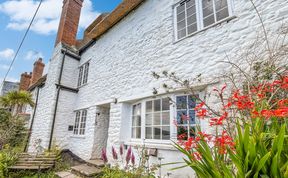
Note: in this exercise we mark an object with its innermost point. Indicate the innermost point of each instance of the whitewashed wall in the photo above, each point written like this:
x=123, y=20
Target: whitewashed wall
x=122, y=61
x=44, y=113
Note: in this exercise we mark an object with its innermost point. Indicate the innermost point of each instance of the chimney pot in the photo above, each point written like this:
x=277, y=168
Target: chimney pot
x=37, y=71
x=25, y=81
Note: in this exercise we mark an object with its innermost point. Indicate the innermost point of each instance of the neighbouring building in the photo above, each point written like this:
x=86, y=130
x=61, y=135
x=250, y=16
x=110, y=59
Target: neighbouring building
x=8, y=86
x=98, y=90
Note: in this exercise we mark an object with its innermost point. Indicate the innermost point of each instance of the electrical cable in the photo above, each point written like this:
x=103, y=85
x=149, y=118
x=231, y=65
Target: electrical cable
x=23, y=39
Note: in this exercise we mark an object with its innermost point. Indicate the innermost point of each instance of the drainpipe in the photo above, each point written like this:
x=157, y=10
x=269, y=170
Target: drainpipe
x=32, y=120
x=57, y=99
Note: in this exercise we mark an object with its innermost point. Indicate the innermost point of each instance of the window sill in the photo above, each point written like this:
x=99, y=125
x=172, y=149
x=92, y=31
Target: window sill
x=78, y=136
x=206, y=28
x=162, y=145
x=82, y=86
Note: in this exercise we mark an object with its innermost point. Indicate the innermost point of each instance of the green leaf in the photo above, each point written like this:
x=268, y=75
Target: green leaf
x=262, y=163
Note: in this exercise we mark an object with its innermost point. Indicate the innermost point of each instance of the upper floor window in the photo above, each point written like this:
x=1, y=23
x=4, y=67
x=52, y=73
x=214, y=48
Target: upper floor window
x=194, y=15
x=83, y=74
x=80, y=122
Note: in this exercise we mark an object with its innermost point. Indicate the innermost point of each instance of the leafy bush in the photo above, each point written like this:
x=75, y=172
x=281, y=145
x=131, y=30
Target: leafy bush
x=7, y=158
x=12, y=129
x=115, y=172
x=258, y=147
x=131, y=169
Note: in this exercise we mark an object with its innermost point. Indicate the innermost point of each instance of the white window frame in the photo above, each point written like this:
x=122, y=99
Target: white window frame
x=133, y=115
x=199, y=17
x=80, y=122
x=173, y=116
x=83, y=74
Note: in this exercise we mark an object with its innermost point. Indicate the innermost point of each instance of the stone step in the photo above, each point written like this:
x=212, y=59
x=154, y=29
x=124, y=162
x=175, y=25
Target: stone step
x=36, y=159
x=96, y=162
x=85, y=170
x=36, y=156
x=29, y=167
x=35, y=162
x=66, y=174
x=28, y=164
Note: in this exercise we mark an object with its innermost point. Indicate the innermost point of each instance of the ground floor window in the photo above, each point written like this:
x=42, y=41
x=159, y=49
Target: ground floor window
x=80, y=122
x=186, y=117
x=160, y=118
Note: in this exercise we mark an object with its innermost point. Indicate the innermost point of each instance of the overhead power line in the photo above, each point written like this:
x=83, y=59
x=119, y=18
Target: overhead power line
x=22, y=41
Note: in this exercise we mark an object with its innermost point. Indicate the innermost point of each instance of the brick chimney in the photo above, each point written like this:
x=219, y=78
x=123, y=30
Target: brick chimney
x=25, y=81
x=37, y=71
x=69, y=22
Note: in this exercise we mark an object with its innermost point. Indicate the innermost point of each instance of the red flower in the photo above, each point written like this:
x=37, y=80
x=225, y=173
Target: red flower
x=201, y=113
x=196, y=156
x=223, y=142
x=218, y=121
x=199, y=106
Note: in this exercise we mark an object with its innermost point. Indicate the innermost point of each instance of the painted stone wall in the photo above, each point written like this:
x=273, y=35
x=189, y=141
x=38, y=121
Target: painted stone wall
x=43, y=118
x=123, y=59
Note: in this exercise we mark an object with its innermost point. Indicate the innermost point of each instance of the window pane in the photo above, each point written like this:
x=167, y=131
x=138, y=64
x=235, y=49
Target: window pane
x=192, y=131
x=207, y=11
x=136, y=132
x=149, y=106
x=77, y=120
x=157, y=105
x=136, y=121
x=165, y=118
x=182, y=117
x=190, y=3
x=209, y=20
x=148, y=119
x=137, y=110
x=191, y=20
x=80, y=76
x=180, y=16
x=191, y=102
x=180, y=8
x=148, y=133
x=182, y=133
x=192, y=116
x=181, y=33
x=222, y=14
x=181, y=25
x=191, y=11
x=220, y=4
x=156, y=119
x=157, y=133
x=181, y=102
x=192, y=28
x=207, y=3
x=166, y=133
x=165, y=104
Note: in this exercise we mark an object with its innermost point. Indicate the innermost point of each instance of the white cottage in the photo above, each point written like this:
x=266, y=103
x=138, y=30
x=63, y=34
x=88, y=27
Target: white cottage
x=98, y=92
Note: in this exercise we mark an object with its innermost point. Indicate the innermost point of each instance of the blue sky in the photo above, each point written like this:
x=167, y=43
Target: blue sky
x=14, y=19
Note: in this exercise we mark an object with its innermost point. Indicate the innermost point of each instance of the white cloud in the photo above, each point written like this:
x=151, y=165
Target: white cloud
x=33, y=55
x=4, y=66
x=46, y=22
x=7, y=54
